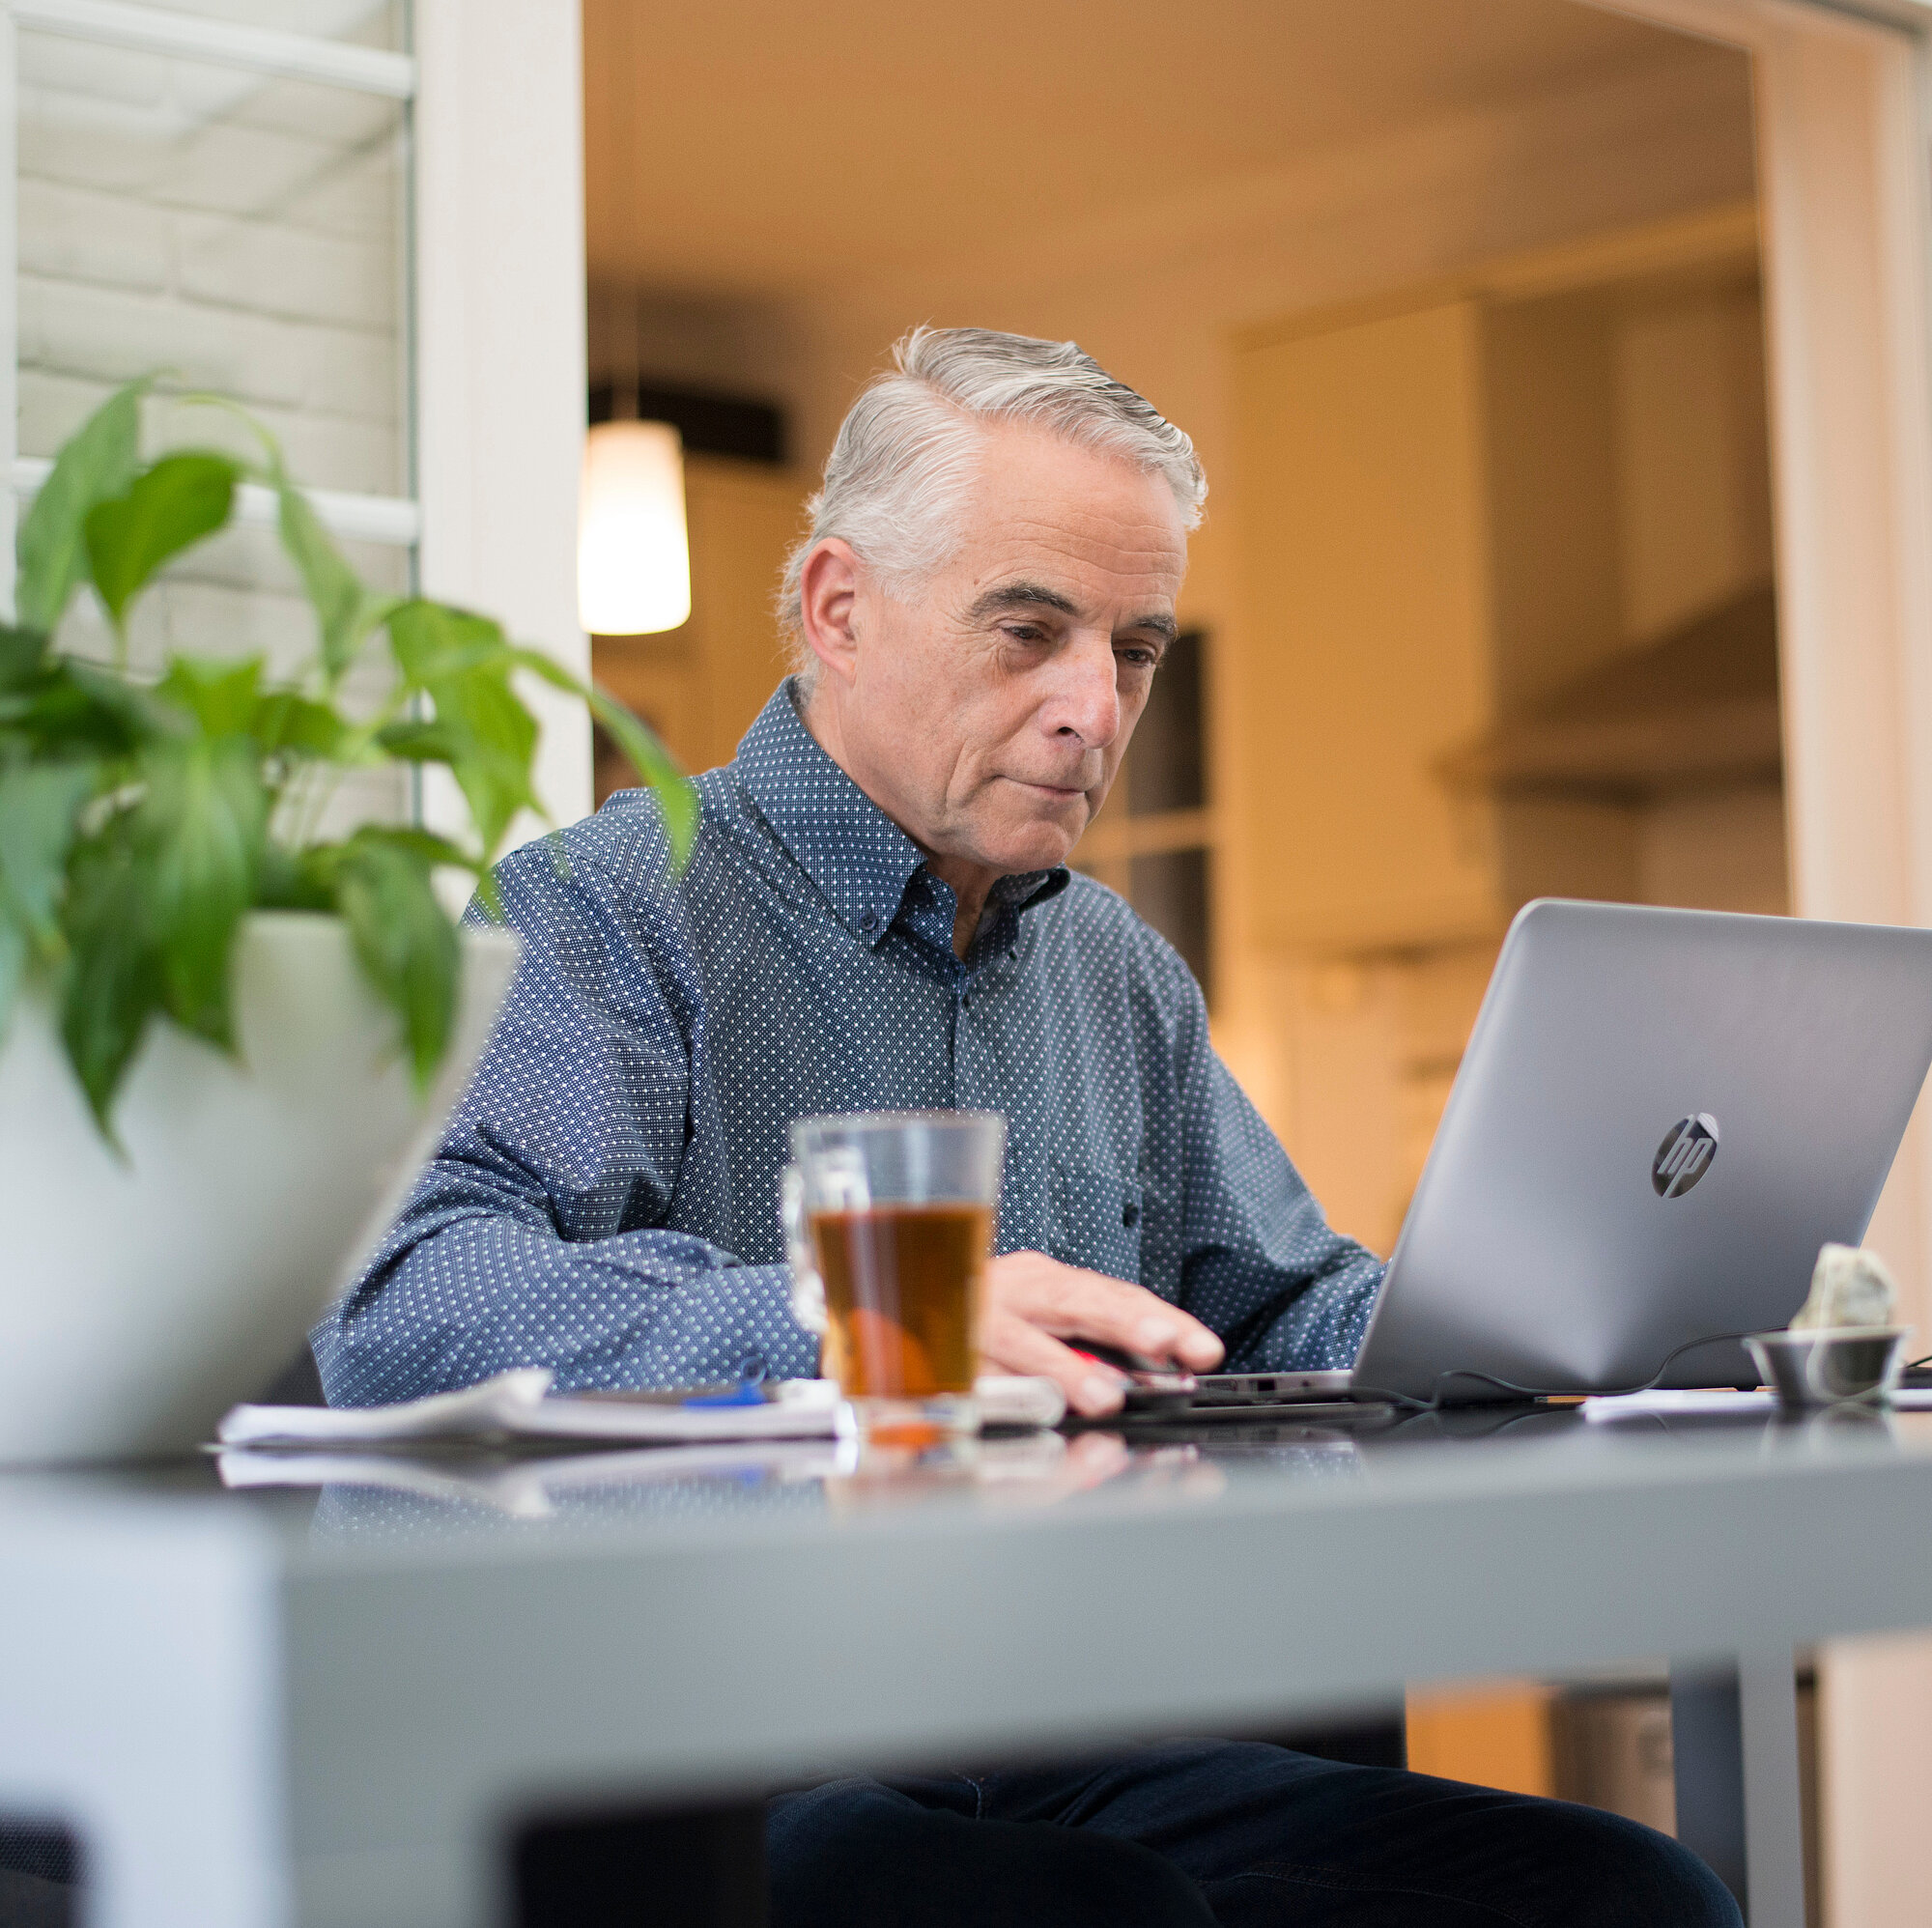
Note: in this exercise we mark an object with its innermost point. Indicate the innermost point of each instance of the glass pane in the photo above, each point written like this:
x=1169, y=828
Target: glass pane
x=369, y=23
x=228, y=232
x=242, y=234
x=1169, y=888
x=1166, y=769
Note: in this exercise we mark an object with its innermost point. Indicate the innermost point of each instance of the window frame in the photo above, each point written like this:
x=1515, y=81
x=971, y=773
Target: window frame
x=495, y=390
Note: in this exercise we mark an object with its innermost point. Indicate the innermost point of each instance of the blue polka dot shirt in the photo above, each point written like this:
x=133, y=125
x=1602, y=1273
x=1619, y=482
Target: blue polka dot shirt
x=605, y=1199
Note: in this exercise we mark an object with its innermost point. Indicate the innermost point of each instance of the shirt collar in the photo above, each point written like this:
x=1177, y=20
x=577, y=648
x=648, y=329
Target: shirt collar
x=858, y=858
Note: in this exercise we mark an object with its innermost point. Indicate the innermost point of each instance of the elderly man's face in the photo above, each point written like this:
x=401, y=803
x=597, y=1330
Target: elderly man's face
x=987, y=712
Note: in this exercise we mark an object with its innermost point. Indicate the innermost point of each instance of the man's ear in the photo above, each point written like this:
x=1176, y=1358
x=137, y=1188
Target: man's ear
x=827, y=595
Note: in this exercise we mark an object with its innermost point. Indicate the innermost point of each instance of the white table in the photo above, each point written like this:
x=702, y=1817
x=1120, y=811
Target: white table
x=261, y=1710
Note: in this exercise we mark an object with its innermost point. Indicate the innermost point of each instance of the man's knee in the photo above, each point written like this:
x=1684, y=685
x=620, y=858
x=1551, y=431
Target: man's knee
x=1617, y=1872
x=861, y=1856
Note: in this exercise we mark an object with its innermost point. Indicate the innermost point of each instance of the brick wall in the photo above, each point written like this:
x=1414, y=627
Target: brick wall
x=228, y=232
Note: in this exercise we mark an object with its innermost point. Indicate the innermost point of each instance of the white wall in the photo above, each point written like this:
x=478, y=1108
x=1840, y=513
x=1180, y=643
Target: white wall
x=501, y=309
x=1156, y=299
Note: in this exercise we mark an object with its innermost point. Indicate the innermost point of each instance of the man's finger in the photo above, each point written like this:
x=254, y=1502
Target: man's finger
x=1016, y=1345
x=1076, y=1303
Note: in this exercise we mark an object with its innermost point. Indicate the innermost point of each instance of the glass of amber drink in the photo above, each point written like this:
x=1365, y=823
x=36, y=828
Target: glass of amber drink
x=889, y=1226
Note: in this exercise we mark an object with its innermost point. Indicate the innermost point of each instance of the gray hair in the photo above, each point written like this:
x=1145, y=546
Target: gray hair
x=906, y=454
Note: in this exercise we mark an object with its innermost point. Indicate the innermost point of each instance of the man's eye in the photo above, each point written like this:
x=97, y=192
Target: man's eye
x=1026, y=633
x=1140, y=658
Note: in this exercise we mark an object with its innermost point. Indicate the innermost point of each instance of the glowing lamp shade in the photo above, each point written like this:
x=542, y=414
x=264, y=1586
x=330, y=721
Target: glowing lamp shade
x=633, y=560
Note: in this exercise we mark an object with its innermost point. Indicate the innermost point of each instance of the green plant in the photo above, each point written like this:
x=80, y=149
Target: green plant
x=140, y=819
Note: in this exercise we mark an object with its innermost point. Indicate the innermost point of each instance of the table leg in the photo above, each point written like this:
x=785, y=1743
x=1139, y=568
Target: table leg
x=140, y=1705
x=1773, y=1811
x=1733, y=1737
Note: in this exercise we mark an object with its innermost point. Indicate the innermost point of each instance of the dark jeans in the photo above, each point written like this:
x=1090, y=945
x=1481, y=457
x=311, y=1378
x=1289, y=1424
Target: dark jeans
x=1245, y=1835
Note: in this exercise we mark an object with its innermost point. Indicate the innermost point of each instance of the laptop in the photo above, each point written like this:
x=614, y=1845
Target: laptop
x=1660, y=1115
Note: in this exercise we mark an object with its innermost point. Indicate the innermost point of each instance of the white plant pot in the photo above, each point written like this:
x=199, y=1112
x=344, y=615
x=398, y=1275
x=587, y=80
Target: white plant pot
x=140, y=1297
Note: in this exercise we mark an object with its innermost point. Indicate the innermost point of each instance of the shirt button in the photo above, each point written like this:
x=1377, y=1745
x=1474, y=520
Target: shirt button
x=870, y=920
x=1130, y=1214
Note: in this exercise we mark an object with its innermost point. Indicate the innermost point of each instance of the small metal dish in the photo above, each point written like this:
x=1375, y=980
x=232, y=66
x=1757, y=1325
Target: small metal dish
x=1830, y=1365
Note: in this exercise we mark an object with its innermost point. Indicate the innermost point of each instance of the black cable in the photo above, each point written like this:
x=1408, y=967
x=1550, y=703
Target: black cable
x=1433, y=1404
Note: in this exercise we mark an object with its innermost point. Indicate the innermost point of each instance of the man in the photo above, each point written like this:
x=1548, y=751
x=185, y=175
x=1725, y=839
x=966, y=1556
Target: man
x=876, y=916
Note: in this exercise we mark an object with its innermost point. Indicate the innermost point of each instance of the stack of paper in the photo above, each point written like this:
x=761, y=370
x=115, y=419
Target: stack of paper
x=520, y=1405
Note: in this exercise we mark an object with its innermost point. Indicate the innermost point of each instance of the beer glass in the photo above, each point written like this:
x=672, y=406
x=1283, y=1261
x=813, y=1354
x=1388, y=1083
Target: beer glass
x=889, y=1226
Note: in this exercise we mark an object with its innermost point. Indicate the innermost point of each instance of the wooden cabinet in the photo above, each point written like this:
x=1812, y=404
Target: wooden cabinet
x=1500, y=548
x=1365, y=618
x=1155, y=839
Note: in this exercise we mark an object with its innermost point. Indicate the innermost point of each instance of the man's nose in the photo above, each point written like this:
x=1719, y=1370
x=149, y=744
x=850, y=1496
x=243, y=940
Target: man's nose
x=1086, y=699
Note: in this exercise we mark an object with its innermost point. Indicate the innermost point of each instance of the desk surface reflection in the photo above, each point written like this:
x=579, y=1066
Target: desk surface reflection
x=362, y=1676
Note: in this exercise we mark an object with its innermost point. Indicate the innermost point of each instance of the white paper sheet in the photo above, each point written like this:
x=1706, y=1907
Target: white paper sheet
x=1719, y=1401
x=520, y=1405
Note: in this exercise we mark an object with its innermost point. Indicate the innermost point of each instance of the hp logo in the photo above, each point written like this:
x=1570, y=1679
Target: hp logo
x=1689, y=1150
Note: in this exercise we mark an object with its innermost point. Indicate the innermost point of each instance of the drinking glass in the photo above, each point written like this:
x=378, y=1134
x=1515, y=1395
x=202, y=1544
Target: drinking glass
x=889, y=1226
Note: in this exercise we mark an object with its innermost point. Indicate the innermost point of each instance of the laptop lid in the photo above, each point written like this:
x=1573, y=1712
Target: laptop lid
x=1660, y=1115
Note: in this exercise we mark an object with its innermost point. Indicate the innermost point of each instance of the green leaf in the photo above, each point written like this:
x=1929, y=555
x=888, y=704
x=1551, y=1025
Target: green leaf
x=420, y=740
x=499, y=740
x=403, y=939
x=13, y=968
x=113, y=985
x=639, y=744
x=39, y=810
x=40, y=804
x=676, y=796
x=201, y=829
x=481, y=728
x=345, y=611
x=98, y=462
x=434, y=642
x=284, y=720
x=221, y=693
x=23, y=656
x=296, y=880
x=424, y=845
x=135, y=708
x=321, y=862
x=171, y=507
x=79, y=708
x=487, y=740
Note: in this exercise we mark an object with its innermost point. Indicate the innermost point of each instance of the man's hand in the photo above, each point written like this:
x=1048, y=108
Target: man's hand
x=1033, y=1302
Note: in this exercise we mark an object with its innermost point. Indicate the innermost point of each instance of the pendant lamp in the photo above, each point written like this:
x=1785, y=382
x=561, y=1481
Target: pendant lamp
x=633, y=557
